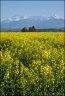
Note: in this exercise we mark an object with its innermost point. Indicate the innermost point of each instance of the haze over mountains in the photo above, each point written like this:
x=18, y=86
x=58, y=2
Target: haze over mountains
x=17, y=22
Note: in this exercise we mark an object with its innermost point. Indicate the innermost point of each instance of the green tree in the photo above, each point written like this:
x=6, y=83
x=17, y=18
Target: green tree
x=24, y=29
x=32, y=29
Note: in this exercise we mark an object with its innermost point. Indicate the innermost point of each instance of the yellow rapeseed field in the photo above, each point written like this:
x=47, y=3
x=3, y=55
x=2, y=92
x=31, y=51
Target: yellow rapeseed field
x=32, y=64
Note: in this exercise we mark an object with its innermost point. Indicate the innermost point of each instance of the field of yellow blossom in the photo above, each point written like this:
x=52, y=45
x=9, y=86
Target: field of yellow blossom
x=32, y=64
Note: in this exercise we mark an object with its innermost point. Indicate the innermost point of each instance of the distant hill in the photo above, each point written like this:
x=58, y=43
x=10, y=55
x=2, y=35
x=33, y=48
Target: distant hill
x=16, y=23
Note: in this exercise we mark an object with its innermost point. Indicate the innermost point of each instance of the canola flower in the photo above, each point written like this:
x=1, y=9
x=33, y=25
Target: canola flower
x=32, y=64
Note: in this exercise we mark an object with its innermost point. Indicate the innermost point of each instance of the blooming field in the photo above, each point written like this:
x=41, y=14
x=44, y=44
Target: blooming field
x=32, y=64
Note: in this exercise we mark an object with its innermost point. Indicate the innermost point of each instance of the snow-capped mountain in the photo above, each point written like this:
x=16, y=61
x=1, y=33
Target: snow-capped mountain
x=56, y=17
x=14, y=18
x=39, y=22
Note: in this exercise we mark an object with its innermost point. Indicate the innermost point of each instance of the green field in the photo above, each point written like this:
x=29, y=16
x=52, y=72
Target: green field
x=32, y=64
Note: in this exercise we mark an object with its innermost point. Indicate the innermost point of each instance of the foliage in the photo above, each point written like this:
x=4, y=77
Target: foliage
x=32, y=64
x=24, y=29
x=31, y=29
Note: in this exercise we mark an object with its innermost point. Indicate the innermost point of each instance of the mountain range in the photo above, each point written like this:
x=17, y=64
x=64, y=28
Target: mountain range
x=17, y=22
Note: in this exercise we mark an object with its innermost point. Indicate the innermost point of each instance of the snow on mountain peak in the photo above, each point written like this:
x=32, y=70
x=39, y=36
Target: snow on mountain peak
x=25, y=17
x=10, y=19
x=15, y=18
x=55, y=16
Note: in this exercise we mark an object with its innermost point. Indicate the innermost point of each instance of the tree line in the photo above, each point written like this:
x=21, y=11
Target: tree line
x=30, y=29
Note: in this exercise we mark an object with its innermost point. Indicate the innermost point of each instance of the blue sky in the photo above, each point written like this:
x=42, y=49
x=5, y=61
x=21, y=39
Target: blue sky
x=32, y=8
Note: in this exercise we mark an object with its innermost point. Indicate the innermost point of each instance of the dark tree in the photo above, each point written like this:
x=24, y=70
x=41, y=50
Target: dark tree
x=32, y=29
x=24, y=29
